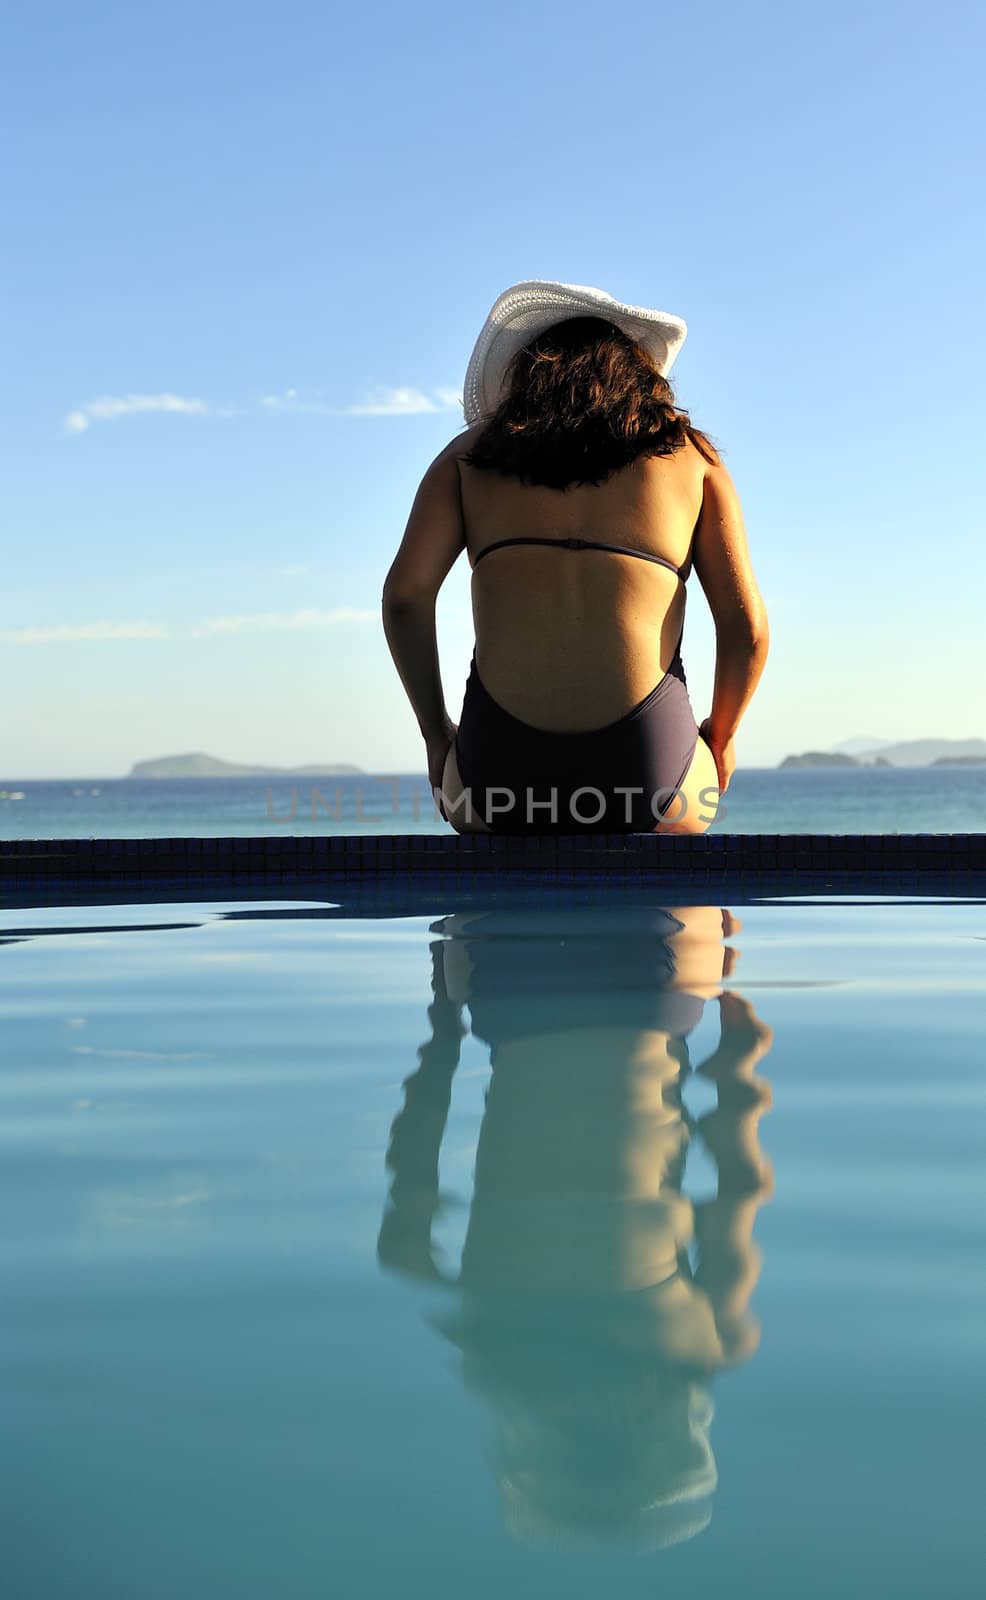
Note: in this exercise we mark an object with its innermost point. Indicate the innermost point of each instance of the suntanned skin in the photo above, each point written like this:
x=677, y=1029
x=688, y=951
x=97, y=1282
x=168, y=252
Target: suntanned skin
x=571, y=640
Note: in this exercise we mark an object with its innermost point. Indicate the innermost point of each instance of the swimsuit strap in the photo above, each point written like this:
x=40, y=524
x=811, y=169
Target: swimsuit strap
x=583, y=544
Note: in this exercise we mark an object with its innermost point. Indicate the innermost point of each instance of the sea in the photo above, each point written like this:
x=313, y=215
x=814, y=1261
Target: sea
x=759, y=800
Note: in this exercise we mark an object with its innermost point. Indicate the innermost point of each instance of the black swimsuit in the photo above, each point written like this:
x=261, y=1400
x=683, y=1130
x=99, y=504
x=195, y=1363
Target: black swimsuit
x=621, y=778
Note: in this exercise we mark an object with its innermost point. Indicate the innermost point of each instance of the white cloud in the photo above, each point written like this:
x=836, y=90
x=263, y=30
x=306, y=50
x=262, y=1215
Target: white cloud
x=284, y=621
x=75, y=631
x=252, y=622
x=290, y=400
x=449, y=397
x=110, y=407
x=295, y=404
x=393, y=403
x=380, y=403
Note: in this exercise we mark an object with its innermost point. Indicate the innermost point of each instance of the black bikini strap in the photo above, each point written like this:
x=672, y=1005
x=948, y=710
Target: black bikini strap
x=582, y=544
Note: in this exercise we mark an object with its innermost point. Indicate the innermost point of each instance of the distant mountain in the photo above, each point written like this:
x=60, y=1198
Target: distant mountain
x=820, y=758
x=198, y=765
x=922, y=752
x=908, y=753
x=859, y=746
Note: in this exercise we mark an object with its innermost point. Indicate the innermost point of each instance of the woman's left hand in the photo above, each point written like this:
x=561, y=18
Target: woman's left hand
x=437, y=749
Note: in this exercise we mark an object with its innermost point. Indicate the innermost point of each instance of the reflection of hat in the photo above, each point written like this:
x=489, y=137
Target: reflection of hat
x=594, y=1440
x=646, y=1493
x=526, y=309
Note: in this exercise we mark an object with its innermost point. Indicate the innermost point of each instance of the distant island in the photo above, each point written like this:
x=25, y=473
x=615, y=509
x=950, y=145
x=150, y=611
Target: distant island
x=198, y=765
x=821, y=758
x=908, y=753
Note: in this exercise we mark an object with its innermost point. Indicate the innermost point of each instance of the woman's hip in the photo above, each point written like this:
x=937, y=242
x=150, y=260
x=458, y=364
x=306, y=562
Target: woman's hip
x=621, y=778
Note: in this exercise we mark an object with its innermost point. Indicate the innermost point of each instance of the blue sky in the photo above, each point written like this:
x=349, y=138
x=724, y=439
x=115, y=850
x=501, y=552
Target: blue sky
x=249, y=249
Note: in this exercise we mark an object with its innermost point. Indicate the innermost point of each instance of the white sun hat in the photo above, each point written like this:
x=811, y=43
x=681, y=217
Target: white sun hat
x=526, y=309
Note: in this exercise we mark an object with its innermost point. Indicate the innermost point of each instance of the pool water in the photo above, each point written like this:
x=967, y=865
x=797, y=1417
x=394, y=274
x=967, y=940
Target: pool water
x=543, y=1243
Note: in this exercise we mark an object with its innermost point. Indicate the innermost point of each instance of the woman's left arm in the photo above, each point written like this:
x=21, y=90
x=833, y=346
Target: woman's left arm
x=433, y=539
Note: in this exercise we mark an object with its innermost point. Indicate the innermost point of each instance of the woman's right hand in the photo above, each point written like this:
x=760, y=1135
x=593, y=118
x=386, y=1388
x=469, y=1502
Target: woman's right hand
x=723, y=752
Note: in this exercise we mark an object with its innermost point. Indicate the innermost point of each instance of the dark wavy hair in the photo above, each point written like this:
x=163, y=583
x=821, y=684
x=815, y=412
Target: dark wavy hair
x=580, y=401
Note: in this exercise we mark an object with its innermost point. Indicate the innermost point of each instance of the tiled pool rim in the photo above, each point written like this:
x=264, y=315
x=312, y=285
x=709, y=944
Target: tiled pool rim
x=891, y=864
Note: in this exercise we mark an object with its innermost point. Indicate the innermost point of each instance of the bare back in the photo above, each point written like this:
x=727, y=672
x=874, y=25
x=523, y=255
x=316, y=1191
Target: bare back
x=570, y=640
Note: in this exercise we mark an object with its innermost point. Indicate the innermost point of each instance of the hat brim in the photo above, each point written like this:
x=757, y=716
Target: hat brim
x=526, y=309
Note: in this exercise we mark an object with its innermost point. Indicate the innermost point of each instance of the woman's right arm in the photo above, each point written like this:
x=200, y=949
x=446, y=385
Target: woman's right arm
x=722, y=560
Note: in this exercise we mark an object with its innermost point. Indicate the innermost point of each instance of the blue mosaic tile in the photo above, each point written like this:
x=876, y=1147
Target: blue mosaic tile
x=816, y=862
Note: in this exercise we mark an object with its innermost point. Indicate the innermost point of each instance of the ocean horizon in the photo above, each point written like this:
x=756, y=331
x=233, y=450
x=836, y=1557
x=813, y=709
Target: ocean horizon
x=759, y=800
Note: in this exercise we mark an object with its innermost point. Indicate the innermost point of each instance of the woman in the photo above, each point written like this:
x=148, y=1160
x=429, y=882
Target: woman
x=583, y=498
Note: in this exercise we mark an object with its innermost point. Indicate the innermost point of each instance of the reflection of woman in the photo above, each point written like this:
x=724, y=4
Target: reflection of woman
x=578, y=1313
x=584, y=498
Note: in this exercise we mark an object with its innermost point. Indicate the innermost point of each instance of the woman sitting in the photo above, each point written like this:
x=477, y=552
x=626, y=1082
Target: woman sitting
x=583, y=498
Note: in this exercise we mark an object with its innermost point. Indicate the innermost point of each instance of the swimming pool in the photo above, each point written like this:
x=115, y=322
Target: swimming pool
x=304, y=1297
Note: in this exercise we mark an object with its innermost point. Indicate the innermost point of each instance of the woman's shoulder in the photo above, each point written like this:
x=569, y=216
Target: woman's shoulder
x=442, y=469
x=701, y=448
x=457, y=447
x=695, y=458
x=464, y=439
